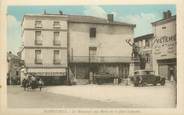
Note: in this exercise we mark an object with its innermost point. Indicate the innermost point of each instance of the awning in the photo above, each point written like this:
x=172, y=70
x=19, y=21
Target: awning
x=47, y=72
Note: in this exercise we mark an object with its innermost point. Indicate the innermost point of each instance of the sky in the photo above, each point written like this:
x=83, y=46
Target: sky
x=141, y=15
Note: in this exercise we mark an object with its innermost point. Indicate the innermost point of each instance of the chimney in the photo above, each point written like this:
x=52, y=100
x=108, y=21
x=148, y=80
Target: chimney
x=164, y=15
x=60, y=12
x=167, y=14
x=110, y=17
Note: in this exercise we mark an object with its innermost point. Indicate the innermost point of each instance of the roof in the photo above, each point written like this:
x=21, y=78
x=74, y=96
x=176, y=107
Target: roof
x=81, y=19
x=92, y=19
x=163, y=21
x=147, y=36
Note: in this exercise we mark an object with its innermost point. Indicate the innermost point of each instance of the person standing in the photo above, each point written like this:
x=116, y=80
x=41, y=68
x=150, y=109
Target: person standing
x=40, y=84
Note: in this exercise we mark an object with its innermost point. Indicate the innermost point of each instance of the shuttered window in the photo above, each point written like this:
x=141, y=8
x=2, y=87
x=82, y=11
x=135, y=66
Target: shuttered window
x=92, y=32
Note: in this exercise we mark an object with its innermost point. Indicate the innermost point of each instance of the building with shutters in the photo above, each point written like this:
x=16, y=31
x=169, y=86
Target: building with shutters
x=164, y=46
x=60, y=47
x=45, y=47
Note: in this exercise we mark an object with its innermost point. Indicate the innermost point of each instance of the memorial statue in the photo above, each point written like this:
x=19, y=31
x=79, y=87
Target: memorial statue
x=137, y=54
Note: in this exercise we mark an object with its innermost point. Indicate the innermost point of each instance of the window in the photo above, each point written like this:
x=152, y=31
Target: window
x=163, y=27
x=17, y=73
x=147, y=43
x=143, y=43
x=38, y=59
x=56, y=24
x=56, y=38
x=92, y=32
x=140, y=43
x=92, y=53
x=38, y=38
x=56, y=57
x=38, y=24
x=148, y=58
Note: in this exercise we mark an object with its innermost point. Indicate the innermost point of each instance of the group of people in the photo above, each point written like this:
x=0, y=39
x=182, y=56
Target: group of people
x=32, y=83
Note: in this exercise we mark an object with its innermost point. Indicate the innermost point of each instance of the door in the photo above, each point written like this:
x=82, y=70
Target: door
x=172, y=73
x=92, y=54
x=163, y=70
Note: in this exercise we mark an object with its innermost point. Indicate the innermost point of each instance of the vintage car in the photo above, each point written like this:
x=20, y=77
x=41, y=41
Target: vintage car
x=103, y=77
x=144, y=77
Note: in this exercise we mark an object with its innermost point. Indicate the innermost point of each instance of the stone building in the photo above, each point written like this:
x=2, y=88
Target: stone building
x=164, y=46
x=144, y=43
x=58, y=46
x=99, y=45
x=45, y=47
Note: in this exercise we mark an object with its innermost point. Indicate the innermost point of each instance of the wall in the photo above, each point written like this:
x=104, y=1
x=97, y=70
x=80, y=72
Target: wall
x=47, y=21
x=164, y=49
x=110, y=40
x=47, y=48
x=47, y=57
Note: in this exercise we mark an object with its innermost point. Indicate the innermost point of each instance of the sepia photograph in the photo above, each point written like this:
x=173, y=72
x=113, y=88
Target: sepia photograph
x=92, y=56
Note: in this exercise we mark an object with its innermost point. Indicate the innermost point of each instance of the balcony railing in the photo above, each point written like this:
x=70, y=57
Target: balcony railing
x=99, y=59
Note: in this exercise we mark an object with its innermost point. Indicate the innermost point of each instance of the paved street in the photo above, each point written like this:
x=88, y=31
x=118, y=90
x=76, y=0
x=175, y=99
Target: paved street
x=93, y=96
x=17, y=98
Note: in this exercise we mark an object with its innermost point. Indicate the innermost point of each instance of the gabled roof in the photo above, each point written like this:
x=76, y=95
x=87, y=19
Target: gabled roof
x=163, y=21
x=80, y=19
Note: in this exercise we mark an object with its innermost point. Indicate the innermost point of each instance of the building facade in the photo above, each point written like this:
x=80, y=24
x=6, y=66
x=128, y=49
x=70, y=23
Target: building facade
x=45, y=47
x=60, y=47
x=14, y=67
x=99, y=46
x=164, y=46
x=144, y=43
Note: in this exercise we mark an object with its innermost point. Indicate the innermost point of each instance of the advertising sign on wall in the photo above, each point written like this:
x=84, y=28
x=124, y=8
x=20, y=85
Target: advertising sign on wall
x=164, y=47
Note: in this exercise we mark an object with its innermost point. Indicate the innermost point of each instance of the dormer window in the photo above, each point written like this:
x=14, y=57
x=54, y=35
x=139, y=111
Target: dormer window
x=38, y=24
x=56, y=24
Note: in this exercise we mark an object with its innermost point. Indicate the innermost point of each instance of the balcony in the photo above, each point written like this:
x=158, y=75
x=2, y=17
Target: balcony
x=99, y=59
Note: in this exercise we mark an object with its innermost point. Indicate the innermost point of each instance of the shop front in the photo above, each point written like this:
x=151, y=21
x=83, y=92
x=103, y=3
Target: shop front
x=49, y=76
x=167, y=69
x=164, y=57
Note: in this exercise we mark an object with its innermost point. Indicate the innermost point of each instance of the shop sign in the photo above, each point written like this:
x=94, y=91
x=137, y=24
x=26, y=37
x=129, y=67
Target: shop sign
x=165, y=47
x=49, y=73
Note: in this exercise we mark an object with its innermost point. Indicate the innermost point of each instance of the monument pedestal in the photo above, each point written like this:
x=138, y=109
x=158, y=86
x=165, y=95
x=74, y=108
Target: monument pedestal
x=134, y=65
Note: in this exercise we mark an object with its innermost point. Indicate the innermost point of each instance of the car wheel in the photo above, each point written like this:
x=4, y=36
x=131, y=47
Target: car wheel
x=135, y=84
x=162, y=82
x=143, y=84
x=154, y=84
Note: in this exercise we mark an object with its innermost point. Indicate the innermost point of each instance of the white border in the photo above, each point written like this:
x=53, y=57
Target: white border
x=180, y=60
